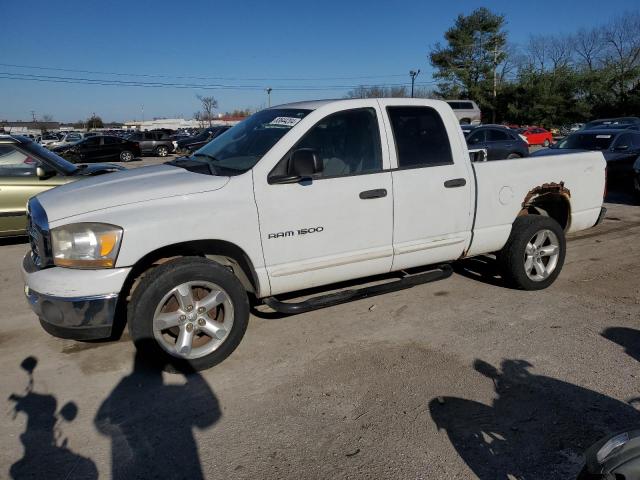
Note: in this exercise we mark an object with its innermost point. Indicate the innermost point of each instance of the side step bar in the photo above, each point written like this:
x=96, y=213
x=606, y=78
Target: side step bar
x=322, y=301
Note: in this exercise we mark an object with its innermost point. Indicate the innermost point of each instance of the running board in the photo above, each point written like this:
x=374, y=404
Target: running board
x=322, y=301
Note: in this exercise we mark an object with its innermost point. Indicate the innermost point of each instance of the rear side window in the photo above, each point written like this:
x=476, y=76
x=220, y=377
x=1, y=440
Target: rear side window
x=14, y=163
x=498, y=135
x=477, y=137
x=420, y=136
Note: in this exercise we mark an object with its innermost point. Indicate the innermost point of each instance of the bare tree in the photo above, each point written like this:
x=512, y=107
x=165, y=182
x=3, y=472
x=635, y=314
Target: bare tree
x=588, y=46
x=209, y=104
x=199, y=118
x=47, y=118
x=559, y=50
x=537, y=52
x=622, y=37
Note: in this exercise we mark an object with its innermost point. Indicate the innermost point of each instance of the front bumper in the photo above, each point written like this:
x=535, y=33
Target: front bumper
x=79, y=318
x=72, y=303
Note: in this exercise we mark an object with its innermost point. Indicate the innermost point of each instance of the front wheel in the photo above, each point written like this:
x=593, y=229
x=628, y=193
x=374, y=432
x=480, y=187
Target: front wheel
x=162, y=151
x=126, y=156
x=546, y=143
x=511, y=156
x=188, y=314
x=534, y=253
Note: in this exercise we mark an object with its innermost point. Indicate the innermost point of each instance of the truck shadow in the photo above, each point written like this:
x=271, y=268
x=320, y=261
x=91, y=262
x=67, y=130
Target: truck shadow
x=46, y=454
x=629, y=338
x=150, y=423
x=536, y=427
x=482, y=268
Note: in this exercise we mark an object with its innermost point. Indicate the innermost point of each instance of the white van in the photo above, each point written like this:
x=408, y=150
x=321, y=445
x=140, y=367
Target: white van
x=467, y=111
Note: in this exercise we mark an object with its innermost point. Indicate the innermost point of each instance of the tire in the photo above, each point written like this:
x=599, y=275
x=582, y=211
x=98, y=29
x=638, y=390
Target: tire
x=153, y=301
x=126, y=156
x=546, y=143
x=521, y=265
x=511, y=156
x=162, y=151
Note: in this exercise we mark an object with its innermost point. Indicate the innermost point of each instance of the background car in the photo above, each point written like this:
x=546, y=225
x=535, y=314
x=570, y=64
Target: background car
x=26, y=169
x=536, y=136
x=618, y=122
x=466, y=111
x=99, y=148
x=191, y=144
x=500, y=142
x=67, y=139
x=155, y=142
x=47, y=139
x=620, y=148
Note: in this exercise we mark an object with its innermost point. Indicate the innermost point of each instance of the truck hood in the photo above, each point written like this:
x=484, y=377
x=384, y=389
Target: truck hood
x=124, y=188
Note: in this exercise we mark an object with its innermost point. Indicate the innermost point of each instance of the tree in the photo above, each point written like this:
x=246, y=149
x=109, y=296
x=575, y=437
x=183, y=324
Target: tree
x=94, y=121
x=378, y=92
x=209, y=104
x=467, y=66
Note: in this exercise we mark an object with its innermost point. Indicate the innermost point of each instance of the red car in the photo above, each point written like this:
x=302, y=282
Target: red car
x=537, y=136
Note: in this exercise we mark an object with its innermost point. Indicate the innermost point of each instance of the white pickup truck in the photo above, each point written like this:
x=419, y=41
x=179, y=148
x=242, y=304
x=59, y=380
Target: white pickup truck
x=296, y=196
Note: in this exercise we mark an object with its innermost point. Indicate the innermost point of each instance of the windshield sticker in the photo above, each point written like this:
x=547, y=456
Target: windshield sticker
x=284, y=121
x=603, y=136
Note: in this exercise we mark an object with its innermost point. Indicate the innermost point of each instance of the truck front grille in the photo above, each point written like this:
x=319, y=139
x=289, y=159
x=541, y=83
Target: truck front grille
x=38, y=232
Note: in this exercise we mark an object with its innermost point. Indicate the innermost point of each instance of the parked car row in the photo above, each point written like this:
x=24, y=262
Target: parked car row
x=26, y=169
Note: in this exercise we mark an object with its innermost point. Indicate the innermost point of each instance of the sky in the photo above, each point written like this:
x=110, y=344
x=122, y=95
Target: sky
x=233, y=50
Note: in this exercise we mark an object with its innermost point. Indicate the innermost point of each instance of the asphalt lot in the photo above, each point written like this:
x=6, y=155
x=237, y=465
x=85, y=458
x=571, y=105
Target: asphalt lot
x=457, y=379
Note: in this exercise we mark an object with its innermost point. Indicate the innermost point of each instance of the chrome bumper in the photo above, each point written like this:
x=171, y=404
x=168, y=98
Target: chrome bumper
x=79, y=318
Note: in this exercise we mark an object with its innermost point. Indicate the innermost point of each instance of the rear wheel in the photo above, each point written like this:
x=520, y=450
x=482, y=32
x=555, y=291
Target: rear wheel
x=162, y=151
x=188, y=313
x=534, y=253
x=513, y=155
x=546, y=142
x=126, y=156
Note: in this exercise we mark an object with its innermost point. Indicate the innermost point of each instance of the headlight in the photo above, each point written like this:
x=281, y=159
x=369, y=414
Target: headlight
x=86, y=245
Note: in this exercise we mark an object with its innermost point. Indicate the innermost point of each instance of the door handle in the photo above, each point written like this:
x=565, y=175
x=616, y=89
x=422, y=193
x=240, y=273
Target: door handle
x=377, y=193
x=455, y=182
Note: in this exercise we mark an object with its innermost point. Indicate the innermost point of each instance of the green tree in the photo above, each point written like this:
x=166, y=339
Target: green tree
x=467, y=66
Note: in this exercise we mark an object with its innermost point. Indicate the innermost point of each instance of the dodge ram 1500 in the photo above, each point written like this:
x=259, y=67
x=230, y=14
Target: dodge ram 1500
x=296, y=196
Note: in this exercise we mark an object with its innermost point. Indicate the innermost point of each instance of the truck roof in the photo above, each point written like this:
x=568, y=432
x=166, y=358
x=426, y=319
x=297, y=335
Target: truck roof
x=308, y=104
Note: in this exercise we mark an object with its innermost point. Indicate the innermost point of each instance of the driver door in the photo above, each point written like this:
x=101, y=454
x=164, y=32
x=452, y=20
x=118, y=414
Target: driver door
x=337, y=224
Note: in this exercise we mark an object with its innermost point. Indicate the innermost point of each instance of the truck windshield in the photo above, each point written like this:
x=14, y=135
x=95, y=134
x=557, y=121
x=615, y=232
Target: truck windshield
x=586, y=141
x=242, y=146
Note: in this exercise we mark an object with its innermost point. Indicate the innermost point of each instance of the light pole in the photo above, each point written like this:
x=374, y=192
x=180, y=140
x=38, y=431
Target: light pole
x=413, y=74
x=268, y=90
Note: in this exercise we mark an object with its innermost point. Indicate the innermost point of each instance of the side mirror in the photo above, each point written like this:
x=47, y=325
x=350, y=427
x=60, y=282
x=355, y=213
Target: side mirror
x=42, y=173
x=303, y=164
x=479, y=155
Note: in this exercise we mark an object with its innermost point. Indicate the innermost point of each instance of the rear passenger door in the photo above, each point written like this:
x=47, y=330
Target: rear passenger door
x=500, y=144
x=432, y=184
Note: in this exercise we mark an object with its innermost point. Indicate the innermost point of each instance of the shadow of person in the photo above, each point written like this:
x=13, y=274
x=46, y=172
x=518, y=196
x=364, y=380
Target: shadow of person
x=629, y=338
x=151, y=423
x=537, y=427
x=46, y=454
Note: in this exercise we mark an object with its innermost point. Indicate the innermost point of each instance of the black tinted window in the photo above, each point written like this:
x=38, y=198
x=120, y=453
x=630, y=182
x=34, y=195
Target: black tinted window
x=477, y=137
x=420, y=136
x=346, y=142
x=91, y=142
x=498, y=135
x=111, y=140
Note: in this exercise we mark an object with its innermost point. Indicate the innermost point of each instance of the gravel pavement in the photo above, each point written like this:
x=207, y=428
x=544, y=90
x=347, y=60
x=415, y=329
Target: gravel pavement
x=456, y=379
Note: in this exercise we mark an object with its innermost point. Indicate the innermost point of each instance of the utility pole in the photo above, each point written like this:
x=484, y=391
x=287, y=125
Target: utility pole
x=495, y=79
x=413, y=74
x=33, y=115
x=268, y=90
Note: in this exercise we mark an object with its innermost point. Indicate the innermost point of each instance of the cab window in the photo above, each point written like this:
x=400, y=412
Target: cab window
x=420, y=136
x=347, y=143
